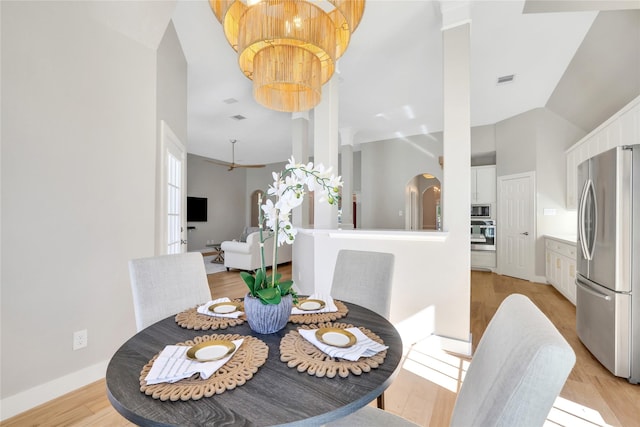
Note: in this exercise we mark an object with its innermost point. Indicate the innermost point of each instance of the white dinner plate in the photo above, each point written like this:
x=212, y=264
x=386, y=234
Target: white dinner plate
x=224, y=307
x=211, y=350
x=336, y=337
x=311, y=304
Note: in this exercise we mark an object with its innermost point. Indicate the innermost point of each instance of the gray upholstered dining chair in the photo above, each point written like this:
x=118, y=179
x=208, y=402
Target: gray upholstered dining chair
x=364, y=278
x=518, y=370
x=166, y=284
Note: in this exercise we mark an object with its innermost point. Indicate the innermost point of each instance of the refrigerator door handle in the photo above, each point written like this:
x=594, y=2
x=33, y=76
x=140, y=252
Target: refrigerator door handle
x=581, y=217
x=594, y=230
x=587, y=287
x=581, y=220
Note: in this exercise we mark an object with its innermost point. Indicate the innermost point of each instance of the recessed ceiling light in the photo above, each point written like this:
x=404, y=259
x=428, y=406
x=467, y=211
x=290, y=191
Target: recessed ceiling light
x=238, y=117
x=506, y=79
x=230, y=101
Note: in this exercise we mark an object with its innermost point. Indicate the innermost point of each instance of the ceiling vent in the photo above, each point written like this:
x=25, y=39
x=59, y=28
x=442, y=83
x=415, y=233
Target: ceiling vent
x=238, y=117
x=506, y=79
x=230, y=101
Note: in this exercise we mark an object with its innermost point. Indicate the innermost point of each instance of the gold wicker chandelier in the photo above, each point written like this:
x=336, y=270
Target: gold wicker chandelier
x=288, y=47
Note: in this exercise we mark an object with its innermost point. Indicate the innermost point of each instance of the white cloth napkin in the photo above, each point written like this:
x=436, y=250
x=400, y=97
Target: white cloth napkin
x=364, y=346
x=329, y=305
x=173, y=365
x=204, y=309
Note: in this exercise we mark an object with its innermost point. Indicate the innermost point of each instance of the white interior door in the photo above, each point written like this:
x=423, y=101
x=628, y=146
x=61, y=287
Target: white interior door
x=516, y=226
x=173, y=193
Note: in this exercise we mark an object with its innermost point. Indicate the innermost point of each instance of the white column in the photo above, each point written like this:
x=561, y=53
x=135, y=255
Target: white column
x=346, y=171
x=457, y=121
x=300, y=152
x=325, y=149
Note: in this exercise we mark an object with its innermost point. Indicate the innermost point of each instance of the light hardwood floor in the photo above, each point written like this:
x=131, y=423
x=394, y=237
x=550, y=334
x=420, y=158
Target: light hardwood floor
x=425, y=389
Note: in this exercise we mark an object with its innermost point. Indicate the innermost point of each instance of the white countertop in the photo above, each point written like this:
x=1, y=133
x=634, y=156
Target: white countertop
x=570, y=239
x=378, y=234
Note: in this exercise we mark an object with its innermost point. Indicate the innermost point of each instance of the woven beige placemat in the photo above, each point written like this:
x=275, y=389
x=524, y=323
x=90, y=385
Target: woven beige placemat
x=238, y=370
x=310, y=318
x=299, y=353
x=191, y=319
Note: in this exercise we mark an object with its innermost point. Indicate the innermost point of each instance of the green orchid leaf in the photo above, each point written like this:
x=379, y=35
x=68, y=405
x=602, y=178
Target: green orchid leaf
x=269, y=295
x=285, y=287
x=260, y=279
x=270, y=281
x=249, y=280
x=275, y=300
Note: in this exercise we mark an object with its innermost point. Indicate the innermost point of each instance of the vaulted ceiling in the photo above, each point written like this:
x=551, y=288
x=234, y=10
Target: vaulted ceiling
x=565, y=55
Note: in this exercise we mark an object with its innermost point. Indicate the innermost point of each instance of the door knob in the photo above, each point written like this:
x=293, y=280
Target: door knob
x=526, y=233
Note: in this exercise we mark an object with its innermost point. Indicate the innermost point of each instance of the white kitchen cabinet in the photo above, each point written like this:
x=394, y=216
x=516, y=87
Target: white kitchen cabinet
x=483, y=184
x=560, y=266
x=483, y=260
x=623, y=128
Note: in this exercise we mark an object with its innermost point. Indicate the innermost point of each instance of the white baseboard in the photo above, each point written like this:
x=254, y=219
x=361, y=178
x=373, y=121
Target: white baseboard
x=29, y=399
x=540, y=279
x=537, y=279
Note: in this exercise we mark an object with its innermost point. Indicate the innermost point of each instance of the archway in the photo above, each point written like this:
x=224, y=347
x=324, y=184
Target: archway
x=423, y=203
x=431, y=208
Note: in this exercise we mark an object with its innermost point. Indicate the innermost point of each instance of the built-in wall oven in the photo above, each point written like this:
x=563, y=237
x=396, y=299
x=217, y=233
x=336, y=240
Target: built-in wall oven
x=483, y=235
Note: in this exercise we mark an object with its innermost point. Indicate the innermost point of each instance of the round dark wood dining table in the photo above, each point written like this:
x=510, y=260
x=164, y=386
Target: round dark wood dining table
x=276, y=395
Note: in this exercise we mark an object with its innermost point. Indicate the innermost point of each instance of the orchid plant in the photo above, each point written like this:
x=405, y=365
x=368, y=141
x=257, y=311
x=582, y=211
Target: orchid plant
x=286, y=193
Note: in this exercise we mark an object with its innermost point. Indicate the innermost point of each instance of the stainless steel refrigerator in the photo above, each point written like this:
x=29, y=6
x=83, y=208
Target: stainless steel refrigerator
x=608, y=261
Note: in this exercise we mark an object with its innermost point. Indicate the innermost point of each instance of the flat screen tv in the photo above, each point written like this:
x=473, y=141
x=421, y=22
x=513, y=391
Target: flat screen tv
x=196, y=209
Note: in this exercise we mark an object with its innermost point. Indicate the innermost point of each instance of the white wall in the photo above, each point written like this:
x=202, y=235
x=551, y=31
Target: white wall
x=228, y=194
x=532, y=141
x=427, y=295
x=357, y=168
x=79, y=137
x=516, y=144
x=555, y=135
x=386, y=169
x=260, y=179
x=431, y=282
x=171, y=84
x=171, y=106
x=483, y=140
x=226, y=201
x=536, y=141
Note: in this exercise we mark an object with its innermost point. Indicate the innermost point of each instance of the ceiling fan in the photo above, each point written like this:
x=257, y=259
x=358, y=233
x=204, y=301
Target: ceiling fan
x=233, y=163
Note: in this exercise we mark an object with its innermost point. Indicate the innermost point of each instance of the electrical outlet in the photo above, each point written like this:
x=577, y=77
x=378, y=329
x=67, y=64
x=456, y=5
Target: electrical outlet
x=79, y=339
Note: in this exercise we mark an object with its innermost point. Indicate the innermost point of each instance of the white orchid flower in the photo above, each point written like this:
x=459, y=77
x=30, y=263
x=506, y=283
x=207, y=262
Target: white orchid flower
x=286, y=233
x=293, y=165
x=288, y=201
x=270, y=214
x=288, y=191
x=335, y=182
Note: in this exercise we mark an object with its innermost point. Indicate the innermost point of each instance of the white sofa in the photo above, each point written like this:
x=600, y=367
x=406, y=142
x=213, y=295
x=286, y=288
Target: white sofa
x=246, y=255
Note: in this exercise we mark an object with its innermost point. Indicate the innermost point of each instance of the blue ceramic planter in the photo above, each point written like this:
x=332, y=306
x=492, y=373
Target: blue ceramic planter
x=267, y=318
